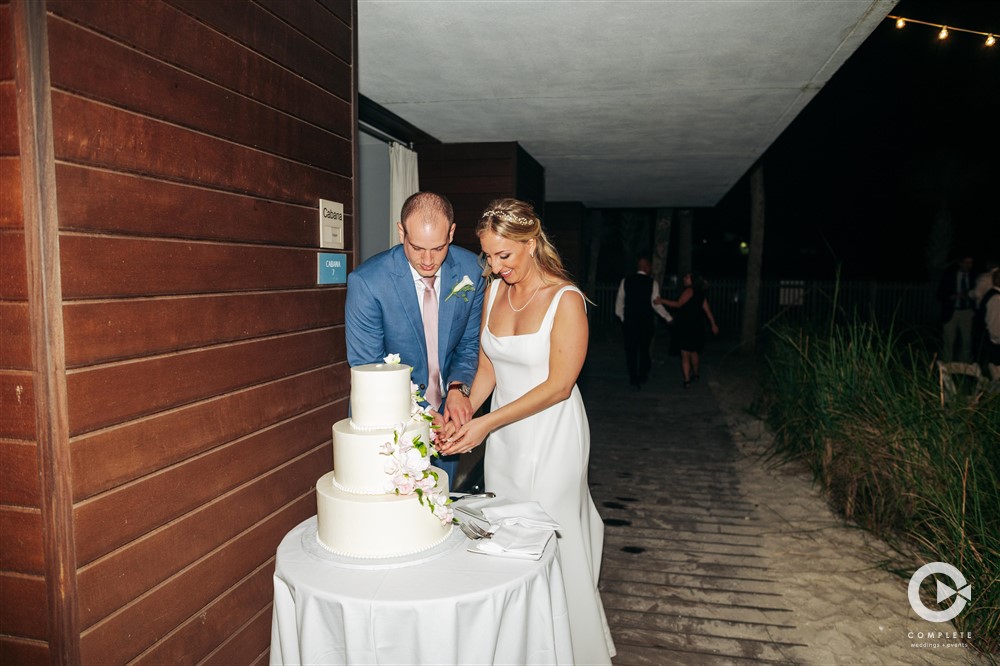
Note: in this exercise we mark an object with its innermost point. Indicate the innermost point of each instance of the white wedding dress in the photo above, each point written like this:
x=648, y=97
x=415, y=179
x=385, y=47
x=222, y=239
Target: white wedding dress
x=544, y=458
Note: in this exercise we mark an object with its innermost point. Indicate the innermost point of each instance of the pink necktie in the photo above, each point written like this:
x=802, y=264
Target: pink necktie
x=433, y=392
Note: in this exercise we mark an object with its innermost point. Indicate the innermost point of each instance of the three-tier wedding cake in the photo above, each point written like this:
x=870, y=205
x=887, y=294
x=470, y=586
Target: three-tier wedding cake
x=383, y=497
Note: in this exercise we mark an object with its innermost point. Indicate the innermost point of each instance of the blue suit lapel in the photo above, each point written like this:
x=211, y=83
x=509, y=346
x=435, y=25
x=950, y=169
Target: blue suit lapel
x=402, y=280
x=446, y=308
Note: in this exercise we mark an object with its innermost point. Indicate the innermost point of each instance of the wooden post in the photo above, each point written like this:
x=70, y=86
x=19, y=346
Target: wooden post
x=44, y=287
x=751, y=306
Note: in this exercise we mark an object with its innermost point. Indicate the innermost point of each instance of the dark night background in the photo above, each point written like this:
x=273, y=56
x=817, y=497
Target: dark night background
x=905, y=133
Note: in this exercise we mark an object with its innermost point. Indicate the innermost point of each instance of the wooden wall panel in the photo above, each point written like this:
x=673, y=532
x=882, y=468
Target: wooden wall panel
x=112, y=581
x=10, y=192
x=138, y=144
x=116, y=267
x=328, y=27
x=7, y=47
x=126, y=513
x=17, y=405
x=22, y=540
x=244, y=646
x=109, y=394
x=161, y=91
x=168, y=606
x=15, y=350
x=24, y=617
x=113, y=456
x=24, y=652
x=23, y=606
x=204, y=365
x=223, y=617
x=147, y=207
x=470, y=175
x=18, y=474
x=266, y=34
x=8, y=119
x=182, y=41
x=100, y=331
x=13, y=272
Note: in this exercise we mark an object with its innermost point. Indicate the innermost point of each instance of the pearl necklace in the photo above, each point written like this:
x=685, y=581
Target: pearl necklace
x=526, y=303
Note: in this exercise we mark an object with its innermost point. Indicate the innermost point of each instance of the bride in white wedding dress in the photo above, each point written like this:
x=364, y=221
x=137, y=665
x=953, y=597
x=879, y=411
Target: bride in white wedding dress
x=533, y=344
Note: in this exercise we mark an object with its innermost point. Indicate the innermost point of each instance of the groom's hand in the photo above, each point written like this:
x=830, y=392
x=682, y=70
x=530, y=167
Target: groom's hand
x=457, y=408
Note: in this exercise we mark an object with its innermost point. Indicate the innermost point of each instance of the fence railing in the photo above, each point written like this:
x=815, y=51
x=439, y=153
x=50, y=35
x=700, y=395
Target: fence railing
x=906, y=303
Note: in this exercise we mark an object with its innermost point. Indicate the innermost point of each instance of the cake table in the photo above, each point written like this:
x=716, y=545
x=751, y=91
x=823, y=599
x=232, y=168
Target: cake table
x=443, y=606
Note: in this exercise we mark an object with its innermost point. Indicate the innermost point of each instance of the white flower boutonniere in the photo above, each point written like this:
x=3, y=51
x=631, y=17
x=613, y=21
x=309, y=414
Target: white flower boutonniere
x=462, y=289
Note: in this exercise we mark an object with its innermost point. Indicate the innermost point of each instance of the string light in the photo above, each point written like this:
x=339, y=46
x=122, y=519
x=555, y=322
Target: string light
x=944, y=30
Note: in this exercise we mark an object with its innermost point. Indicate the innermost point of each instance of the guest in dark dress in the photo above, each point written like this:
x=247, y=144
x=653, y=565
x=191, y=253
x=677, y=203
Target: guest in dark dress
x=689, y=324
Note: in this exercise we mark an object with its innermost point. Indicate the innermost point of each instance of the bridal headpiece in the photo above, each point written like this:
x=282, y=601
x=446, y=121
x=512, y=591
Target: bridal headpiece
x=508, y=216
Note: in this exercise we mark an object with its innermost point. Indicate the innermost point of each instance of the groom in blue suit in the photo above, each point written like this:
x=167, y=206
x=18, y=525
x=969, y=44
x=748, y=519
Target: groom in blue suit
x=390, y=295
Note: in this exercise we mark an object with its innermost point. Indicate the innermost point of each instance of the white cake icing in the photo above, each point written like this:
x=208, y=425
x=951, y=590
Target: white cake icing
x=358, y=462
x=358, y=514
x=380, y=395
x=373, y=526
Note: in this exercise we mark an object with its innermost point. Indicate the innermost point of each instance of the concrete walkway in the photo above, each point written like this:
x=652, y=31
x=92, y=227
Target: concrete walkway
x=712, y=557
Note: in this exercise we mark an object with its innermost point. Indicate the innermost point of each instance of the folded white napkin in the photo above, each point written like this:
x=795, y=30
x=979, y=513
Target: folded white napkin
x=526, y=514
x=514, y=541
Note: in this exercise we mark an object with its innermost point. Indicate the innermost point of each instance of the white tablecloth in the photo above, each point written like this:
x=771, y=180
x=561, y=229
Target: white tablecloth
x=444, y=606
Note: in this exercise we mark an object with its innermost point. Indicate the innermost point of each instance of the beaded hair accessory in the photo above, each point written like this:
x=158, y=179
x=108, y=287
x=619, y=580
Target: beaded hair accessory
x=509, y=217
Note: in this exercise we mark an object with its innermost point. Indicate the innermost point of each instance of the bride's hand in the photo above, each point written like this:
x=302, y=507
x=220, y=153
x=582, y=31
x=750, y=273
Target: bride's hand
x=464, y=440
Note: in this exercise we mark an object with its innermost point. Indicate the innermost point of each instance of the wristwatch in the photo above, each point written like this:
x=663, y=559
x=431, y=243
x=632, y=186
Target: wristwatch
x=464, y=388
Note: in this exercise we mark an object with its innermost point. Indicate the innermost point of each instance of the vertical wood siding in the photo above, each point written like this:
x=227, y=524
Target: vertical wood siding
x=204, y=366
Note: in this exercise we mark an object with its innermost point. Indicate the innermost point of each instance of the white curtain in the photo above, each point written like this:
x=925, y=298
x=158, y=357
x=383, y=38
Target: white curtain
x=403, y=181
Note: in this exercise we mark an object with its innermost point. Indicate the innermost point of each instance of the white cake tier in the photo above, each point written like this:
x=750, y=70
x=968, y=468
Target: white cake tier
x=372, y=526
x=358, y=463
x=380, y=395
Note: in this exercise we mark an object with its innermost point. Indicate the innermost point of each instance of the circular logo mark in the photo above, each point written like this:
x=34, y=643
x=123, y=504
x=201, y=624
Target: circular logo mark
x=962, y=594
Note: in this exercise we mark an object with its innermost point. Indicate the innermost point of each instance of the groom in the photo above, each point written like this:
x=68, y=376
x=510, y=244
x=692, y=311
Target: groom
x=422, y=300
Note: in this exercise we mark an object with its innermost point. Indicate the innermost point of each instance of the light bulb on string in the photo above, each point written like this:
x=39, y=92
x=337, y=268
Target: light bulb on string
x=944, y=32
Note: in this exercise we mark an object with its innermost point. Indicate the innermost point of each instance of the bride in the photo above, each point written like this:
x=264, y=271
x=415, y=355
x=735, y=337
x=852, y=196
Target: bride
x=533, y=343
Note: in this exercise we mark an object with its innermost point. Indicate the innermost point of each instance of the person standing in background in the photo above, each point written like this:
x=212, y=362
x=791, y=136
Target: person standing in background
x=990, y=305
x=957, y=310
x=689, y=331
x=423, y=300
x=635, y=306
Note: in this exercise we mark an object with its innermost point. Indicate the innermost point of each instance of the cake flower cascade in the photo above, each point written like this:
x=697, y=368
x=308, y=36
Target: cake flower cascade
x=409, y=464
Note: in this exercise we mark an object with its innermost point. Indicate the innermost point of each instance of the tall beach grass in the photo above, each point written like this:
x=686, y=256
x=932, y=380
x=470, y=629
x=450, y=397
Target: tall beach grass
x=864, y=410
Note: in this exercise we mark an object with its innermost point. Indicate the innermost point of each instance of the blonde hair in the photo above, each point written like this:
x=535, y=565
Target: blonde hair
x=516, y=220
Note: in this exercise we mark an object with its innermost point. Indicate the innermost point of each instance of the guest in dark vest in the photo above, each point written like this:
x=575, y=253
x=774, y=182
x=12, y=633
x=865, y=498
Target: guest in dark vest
x=636, y=307
x=957, y=311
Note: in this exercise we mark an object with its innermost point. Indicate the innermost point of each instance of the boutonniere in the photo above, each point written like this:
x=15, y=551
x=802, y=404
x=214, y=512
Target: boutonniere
x=462, y=289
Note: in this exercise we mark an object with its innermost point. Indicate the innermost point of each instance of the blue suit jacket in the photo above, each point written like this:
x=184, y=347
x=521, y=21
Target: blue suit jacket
x=383, y=315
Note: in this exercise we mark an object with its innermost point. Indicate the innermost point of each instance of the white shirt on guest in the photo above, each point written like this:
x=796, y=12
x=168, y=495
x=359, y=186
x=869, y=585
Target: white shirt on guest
x=658, y=309
x=993, y=318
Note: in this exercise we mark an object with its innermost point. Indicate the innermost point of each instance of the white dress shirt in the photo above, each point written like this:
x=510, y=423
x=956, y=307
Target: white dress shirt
x=658, y=309
x=418, y=281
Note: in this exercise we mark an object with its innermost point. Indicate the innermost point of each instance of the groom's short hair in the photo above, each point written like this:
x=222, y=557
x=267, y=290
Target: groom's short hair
x=426, y=202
